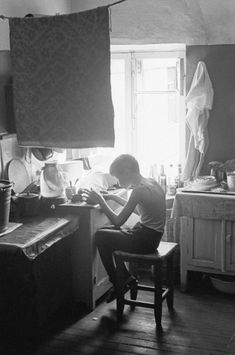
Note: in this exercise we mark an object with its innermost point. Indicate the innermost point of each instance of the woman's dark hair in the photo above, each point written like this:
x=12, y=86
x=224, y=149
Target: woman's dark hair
x=123, y=162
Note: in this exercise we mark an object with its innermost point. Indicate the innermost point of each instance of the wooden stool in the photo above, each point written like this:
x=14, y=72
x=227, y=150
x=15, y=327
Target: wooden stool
x=165, y=252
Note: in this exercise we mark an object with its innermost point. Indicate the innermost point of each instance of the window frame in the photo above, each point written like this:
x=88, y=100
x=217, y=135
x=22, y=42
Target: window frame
x=131, y=53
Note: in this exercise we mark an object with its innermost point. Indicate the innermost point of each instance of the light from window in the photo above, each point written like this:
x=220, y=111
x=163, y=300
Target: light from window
x=149, y=108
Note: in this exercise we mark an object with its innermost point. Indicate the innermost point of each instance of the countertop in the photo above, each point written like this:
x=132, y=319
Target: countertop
x=35, y=235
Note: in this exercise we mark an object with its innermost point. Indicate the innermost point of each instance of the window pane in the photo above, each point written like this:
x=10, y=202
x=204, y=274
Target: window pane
x=154, y=74
x=147, y=108
x=157, y=130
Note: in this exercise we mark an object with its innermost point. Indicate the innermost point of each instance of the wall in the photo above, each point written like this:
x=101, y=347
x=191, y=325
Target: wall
x=220, y=61
x=19, y=8
x=219, y=20
x=169, y=21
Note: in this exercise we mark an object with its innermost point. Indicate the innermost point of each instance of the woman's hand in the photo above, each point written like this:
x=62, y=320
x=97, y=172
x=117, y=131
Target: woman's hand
x=91, y=196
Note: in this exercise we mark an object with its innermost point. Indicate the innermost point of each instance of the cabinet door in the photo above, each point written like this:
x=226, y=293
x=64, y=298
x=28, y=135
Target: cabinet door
x=230, y=246
x=202, y=240
x=100, y=279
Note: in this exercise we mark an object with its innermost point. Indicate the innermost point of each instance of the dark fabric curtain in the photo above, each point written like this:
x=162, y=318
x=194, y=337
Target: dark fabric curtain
x=61, y=80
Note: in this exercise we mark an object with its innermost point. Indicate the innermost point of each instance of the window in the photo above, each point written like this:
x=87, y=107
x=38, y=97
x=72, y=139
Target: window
x=148, y=96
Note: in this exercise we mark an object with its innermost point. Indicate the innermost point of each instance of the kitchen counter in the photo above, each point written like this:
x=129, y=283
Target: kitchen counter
x=35, y=235
x=36, y=274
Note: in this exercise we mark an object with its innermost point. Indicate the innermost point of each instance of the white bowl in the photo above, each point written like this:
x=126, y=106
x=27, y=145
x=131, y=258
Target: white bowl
x=223, y=286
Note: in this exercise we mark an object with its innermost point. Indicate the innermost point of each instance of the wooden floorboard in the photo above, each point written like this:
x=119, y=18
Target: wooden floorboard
x=203, y=324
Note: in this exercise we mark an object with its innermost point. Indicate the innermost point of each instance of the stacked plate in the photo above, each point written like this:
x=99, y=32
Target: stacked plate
x=18, y=175
x=203, y=183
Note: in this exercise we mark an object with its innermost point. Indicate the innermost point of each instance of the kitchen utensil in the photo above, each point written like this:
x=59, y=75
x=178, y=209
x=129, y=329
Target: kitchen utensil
x=70, y=191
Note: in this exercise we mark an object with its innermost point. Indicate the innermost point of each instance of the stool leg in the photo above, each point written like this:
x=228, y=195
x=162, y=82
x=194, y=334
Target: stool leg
x=134, y=292
x=170, y=284
x=158, y=294
x=133, y=266
x=120, y=283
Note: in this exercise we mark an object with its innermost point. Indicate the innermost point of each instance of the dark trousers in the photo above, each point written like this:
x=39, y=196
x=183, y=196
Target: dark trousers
x=138, y=240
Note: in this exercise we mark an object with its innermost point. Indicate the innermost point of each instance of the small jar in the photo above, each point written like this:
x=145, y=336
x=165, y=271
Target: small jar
x=213, y=172
x=231, y=181
x=217, y=173
x=220, y=175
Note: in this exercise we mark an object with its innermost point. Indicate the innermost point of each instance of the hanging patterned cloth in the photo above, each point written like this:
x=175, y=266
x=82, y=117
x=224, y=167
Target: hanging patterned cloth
x=61, y=80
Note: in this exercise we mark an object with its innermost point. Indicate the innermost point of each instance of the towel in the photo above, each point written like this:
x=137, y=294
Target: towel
x=61, y=80
x=199, y=102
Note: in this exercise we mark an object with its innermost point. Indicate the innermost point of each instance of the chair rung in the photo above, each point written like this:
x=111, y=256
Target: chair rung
x=148, y=259
x=139, y=303
x=146, y=288
x=151, y=289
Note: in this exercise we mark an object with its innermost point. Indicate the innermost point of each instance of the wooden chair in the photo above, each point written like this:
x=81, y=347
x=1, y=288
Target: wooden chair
x=164, y=253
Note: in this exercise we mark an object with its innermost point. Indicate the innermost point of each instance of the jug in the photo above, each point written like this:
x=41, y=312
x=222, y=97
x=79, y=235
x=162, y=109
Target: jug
x=51, y=181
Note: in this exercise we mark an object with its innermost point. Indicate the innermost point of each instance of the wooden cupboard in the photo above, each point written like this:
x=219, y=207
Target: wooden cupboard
x=206, y=233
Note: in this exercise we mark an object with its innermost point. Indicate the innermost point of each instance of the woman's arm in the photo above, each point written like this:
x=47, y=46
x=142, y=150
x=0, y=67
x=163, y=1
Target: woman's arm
x=114, y=197
x=120, y=218
x=122, y=201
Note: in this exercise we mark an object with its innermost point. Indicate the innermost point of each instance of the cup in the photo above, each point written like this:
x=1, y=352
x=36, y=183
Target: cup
x=70, y=191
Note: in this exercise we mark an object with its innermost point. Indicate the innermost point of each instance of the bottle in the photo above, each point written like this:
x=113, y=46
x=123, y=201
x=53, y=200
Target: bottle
x=171, y=187
x=154, y=172
x=178, y=179
x=162, y=178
